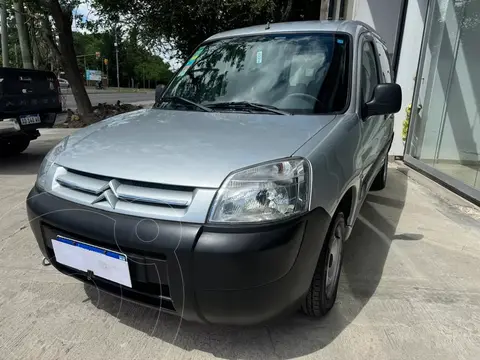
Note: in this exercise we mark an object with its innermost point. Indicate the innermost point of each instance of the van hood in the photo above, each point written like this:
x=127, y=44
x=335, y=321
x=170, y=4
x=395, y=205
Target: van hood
x=197, y=149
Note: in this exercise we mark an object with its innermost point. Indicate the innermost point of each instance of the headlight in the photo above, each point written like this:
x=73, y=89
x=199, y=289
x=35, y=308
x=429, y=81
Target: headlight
x=47, y=163
x=267, y=192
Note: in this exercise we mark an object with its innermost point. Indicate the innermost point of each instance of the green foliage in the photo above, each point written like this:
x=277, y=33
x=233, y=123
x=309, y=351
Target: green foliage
x=135, y=61
x=406, y=122
x=183, y=24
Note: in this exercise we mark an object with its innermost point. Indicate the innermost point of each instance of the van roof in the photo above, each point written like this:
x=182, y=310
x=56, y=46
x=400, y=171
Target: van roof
x=346, y=26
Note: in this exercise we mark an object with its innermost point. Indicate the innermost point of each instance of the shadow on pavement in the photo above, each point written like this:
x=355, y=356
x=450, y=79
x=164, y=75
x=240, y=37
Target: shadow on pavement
x=365, y=256
x=28, y=162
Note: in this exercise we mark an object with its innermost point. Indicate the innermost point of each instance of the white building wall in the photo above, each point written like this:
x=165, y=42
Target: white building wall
x=382, y=15
x=408, y=64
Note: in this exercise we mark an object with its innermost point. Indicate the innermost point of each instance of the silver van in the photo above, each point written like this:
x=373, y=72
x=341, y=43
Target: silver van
x=230, y=200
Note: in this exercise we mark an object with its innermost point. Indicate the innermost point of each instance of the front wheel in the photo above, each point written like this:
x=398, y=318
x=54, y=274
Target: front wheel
x=14, y=146
x=323, y=290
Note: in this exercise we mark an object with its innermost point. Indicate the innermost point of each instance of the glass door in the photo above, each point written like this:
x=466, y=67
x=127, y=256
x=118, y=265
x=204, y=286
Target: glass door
x=445, y=119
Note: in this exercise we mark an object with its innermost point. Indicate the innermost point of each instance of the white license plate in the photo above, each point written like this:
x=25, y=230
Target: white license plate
x=30, y=119
x=101, y=262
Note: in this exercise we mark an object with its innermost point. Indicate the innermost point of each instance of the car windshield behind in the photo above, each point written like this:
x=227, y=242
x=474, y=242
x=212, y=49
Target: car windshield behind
x=294, y=73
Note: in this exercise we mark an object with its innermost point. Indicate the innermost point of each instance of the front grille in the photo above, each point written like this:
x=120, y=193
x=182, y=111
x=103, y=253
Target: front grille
x=123, y=196
x=157, y=300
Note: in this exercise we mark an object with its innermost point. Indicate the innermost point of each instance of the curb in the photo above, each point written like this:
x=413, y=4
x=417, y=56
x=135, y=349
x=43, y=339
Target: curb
x=438, y=190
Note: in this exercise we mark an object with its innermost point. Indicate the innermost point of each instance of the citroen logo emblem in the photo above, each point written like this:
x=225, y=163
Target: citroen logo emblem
x=109, y=193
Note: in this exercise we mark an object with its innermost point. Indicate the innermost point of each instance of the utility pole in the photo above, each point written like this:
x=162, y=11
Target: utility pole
x=3, y=18
x=116, y=56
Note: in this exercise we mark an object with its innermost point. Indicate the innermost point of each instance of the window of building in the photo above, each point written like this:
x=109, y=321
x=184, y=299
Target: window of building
x=444, y=129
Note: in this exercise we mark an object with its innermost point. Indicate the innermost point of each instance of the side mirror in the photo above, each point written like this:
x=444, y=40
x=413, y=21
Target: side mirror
x=387, y=99
x=159, y=92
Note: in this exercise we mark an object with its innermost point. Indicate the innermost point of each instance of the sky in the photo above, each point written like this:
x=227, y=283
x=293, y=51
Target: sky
x=87, y=11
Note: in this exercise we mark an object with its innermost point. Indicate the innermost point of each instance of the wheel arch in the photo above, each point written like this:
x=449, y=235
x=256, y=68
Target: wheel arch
x=347, y=205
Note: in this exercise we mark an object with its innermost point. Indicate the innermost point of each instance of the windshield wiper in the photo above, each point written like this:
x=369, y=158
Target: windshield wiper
x=185, y=101
x=247, y=105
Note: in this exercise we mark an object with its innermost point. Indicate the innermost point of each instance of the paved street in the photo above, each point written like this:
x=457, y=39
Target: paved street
x=410, y=289
x=111, y=98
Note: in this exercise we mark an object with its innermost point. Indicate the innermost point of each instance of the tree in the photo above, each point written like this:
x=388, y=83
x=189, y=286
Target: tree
x=59, y=37
x=3, y=19
x=136, y=62
x=185, y=23
x=23, y=34
x=39, y=49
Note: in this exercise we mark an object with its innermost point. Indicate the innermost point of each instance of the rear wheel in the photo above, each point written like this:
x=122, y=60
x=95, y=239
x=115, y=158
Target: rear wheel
x=323, y=290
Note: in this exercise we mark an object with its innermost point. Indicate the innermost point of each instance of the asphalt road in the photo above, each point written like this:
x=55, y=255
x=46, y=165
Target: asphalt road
x=410, y=289
x=112, y=98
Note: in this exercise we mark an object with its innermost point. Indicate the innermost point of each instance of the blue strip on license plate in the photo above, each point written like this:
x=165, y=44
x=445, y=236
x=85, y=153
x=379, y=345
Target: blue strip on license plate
x=91, y=248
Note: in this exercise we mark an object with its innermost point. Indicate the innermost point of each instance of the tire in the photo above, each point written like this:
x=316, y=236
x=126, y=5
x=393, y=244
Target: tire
x=14, y=146
x=380, y=180
x=323, y=290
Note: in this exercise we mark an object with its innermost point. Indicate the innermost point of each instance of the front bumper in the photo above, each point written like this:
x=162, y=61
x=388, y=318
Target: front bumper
x=228, y=275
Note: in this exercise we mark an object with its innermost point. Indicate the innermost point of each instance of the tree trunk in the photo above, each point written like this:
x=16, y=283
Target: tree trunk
x=34, y=46
x=3, y=16
x=36, y=55
x=68, y=57
x=286, y=12
x=23, y=34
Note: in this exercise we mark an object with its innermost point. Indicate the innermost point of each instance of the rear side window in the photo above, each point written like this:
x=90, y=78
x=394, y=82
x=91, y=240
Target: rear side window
x=369, y=71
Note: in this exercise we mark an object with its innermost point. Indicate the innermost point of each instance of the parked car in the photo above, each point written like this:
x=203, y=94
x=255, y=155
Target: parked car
x=230, y=200
x=64, y=84
x=29, y=100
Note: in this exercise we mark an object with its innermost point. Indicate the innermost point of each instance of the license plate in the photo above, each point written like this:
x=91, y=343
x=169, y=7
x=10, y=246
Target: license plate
x=30, y=119
x=87, y=258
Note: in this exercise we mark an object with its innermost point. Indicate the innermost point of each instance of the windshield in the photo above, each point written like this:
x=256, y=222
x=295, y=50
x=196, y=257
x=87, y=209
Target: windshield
x=295, y=73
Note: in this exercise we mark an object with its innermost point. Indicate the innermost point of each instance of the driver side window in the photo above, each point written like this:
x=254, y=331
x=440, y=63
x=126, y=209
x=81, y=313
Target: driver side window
x=369, y=72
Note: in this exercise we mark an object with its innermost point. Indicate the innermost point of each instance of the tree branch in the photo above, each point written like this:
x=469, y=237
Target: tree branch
x=48, y=36
x=286, y=12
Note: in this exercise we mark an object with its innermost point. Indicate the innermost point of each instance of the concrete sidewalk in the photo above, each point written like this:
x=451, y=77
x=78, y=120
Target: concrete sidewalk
x=410, y=289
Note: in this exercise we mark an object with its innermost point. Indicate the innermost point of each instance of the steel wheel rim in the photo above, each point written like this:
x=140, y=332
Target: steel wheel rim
x=334, y=259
